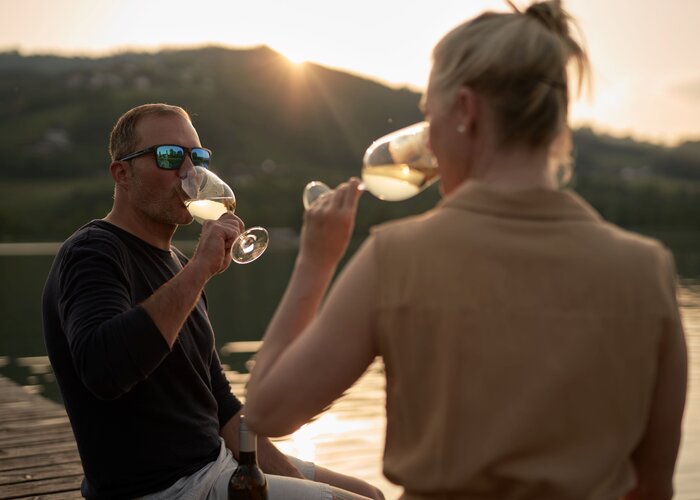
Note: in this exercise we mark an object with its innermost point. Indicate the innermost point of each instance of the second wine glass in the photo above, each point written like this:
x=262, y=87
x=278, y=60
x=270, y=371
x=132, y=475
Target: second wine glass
x=210, y=198
x=312, y=192
x=395, y=167
x=400, y=165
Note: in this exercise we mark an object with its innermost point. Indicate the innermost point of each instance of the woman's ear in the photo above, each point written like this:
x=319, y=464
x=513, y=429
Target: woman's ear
x=468, y=109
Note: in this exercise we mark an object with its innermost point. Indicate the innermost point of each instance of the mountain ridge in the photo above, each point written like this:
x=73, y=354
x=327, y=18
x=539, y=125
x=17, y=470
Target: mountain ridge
x=250, y=105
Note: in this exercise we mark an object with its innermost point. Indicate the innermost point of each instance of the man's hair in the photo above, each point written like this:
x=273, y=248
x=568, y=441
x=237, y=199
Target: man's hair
x=123, y=139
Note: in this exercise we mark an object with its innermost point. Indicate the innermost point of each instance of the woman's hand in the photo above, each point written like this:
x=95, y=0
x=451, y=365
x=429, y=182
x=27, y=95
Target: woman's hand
x=328, y=225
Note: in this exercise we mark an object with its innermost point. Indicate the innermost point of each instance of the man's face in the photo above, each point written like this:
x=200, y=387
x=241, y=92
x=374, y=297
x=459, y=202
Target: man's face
x=155, y=193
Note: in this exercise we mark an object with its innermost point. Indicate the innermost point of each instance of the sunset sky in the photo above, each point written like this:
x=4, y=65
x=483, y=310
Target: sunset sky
x=644, y=53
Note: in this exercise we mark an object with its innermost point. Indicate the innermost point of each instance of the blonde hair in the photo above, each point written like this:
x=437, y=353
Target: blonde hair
x=123, y=138
x=518, y=61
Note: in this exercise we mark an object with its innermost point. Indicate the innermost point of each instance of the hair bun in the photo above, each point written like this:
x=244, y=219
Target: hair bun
x=551, y=15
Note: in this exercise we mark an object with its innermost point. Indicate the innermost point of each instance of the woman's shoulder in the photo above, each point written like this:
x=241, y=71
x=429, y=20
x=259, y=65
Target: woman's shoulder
x=410, y=225
x=632, y=243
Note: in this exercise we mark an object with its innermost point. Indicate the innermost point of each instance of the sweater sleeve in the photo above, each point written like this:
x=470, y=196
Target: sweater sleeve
x=228, y=403
x=114, y=343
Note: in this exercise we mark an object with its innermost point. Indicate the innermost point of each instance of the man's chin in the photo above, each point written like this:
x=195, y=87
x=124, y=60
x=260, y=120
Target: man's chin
x=185, y=221
x=183, y=217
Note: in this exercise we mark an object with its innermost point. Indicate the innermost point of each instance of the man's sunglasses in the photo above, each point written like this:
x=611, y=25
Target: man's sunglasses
x=172, y=156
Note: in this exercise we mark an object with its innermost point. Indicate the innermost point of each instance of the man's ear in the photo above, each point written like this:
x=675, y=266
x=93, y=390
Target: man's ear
x=119, y=171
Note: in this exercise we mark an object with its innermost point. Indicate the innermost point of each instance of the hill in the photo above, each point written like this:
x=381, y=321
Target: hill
x=249, y=106
x=273, y=126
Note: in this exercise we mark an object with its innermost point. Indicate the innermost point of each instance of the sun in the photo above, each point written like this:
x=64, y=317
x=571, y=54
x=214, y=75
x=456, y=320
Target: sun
x=296, y=51
x=295, y=59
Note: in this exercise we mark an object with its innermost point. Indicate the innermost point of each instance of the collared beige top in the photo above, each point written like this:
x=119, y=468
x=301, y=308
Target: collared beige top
x=520, y=334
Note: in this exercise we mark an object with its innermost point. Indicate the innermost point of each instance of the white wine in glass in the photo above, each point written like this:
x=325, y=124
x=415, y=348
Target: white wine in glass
x=210, y=198
x=395, y=167
x=400, y=165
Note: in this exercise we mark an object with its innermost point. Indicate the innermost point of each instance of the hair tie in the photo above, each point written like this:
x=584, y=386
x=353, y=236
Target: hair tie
x=541, y=17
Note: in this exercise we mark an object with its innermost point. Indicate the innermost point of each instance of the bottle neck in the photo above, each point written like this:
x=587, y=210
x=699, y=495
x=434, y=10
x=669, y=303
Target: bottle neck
x=248, y=443
x=247, y=458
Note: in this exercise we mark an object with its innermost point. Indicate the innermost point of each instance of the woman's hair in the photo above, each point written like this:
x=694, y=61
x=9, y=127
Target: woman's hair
x=519, y=62
x=123, y=139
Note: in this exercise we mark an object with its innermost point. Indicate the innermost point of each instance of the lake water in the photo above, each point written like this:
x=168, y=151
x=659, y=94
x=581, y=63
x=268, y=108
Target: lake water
x=348, y=437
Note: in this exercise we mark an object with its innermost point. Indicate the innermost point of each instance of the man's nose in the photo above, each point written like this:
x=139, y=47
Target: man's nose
x=187, y=168
x=189, y=179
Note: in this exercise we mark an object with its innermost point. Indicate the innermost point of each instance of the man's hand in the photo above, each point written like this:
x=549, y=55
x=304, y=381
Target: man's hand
x=170, y=305
x=213, y=251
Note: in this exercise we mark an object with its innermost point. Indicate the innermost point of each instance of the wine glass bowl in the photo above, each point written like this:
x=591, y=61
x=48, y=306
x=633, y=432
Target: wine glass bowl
x=210, y=198
x=400, y=165
x=312, y=192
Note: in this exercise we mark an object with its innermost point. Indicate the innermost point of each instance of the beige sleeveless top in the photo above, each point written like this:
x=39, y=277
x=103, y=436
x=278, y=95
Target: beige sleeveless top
x=519, y=333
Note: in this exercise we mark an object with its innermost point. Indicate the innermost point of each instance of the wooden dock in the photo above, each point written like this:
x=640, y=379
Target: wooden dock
x=38, y=455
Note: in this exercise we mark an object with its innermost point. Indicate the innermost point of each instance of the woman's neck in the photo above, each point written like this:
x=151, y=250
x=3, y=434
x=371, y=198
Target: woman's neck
x=515, y=170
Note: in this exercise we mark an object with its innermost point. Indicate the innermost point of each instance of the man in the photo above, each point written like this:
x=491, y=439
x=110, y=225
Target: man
x=127, y=333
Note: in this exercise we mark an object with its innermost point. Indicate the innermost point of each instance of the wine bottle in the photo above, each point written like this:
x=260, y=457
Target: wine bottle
x=247, y=481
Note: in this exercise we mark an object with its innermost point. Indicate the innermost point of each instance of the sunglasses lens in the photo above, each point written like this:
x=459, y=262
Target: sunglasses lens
x=170, y=157
x=200, y=157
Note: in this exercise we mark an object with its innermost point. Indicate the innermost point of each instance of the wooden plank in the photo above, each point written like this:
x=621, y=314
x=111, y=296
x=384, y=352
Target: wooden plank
x=37, y=450
x=36, y=473
x=42, y=487
x=14, y=415
x=32, y=426
x=58, y=434
x=16, y=463
x=65, y=495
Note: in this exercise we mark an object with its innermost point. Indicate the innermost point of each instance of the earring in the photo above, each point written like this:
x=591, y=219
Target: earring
x=461, y=128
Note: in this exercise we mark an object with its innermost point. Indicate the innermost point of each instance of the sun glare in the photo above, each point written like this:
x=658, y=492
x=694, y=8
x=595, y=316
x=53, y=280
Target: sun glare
x=294, y=58
x=297, y=61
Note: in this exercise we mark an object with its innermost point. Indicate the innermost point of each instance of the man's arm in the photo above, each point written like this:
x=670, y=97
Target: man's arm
x=172, y=303
x=115, y=344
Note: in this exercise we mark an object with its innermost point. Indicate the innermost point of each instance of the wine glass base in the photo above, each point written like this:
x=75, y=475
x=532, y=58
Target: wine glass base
x=250, y=245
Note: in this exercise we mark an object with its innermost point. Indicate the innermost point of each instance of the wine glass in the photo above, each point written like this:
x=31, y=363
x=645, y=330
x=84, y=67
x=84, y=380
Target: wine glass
x=210, y=198
x=312, y=192
x=400, y=165
x=395, y=167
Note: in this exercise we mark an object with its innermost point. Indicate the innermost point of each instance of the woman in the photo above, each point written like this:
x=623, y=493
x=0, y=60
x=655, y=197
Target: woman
x=532, y=350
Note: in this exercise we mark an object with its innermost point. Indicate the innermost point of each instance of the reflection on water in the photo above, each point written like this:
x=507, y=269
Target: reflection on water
x=347, y=437
x=359, y=413
x=37, y=378
x=688, y=467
